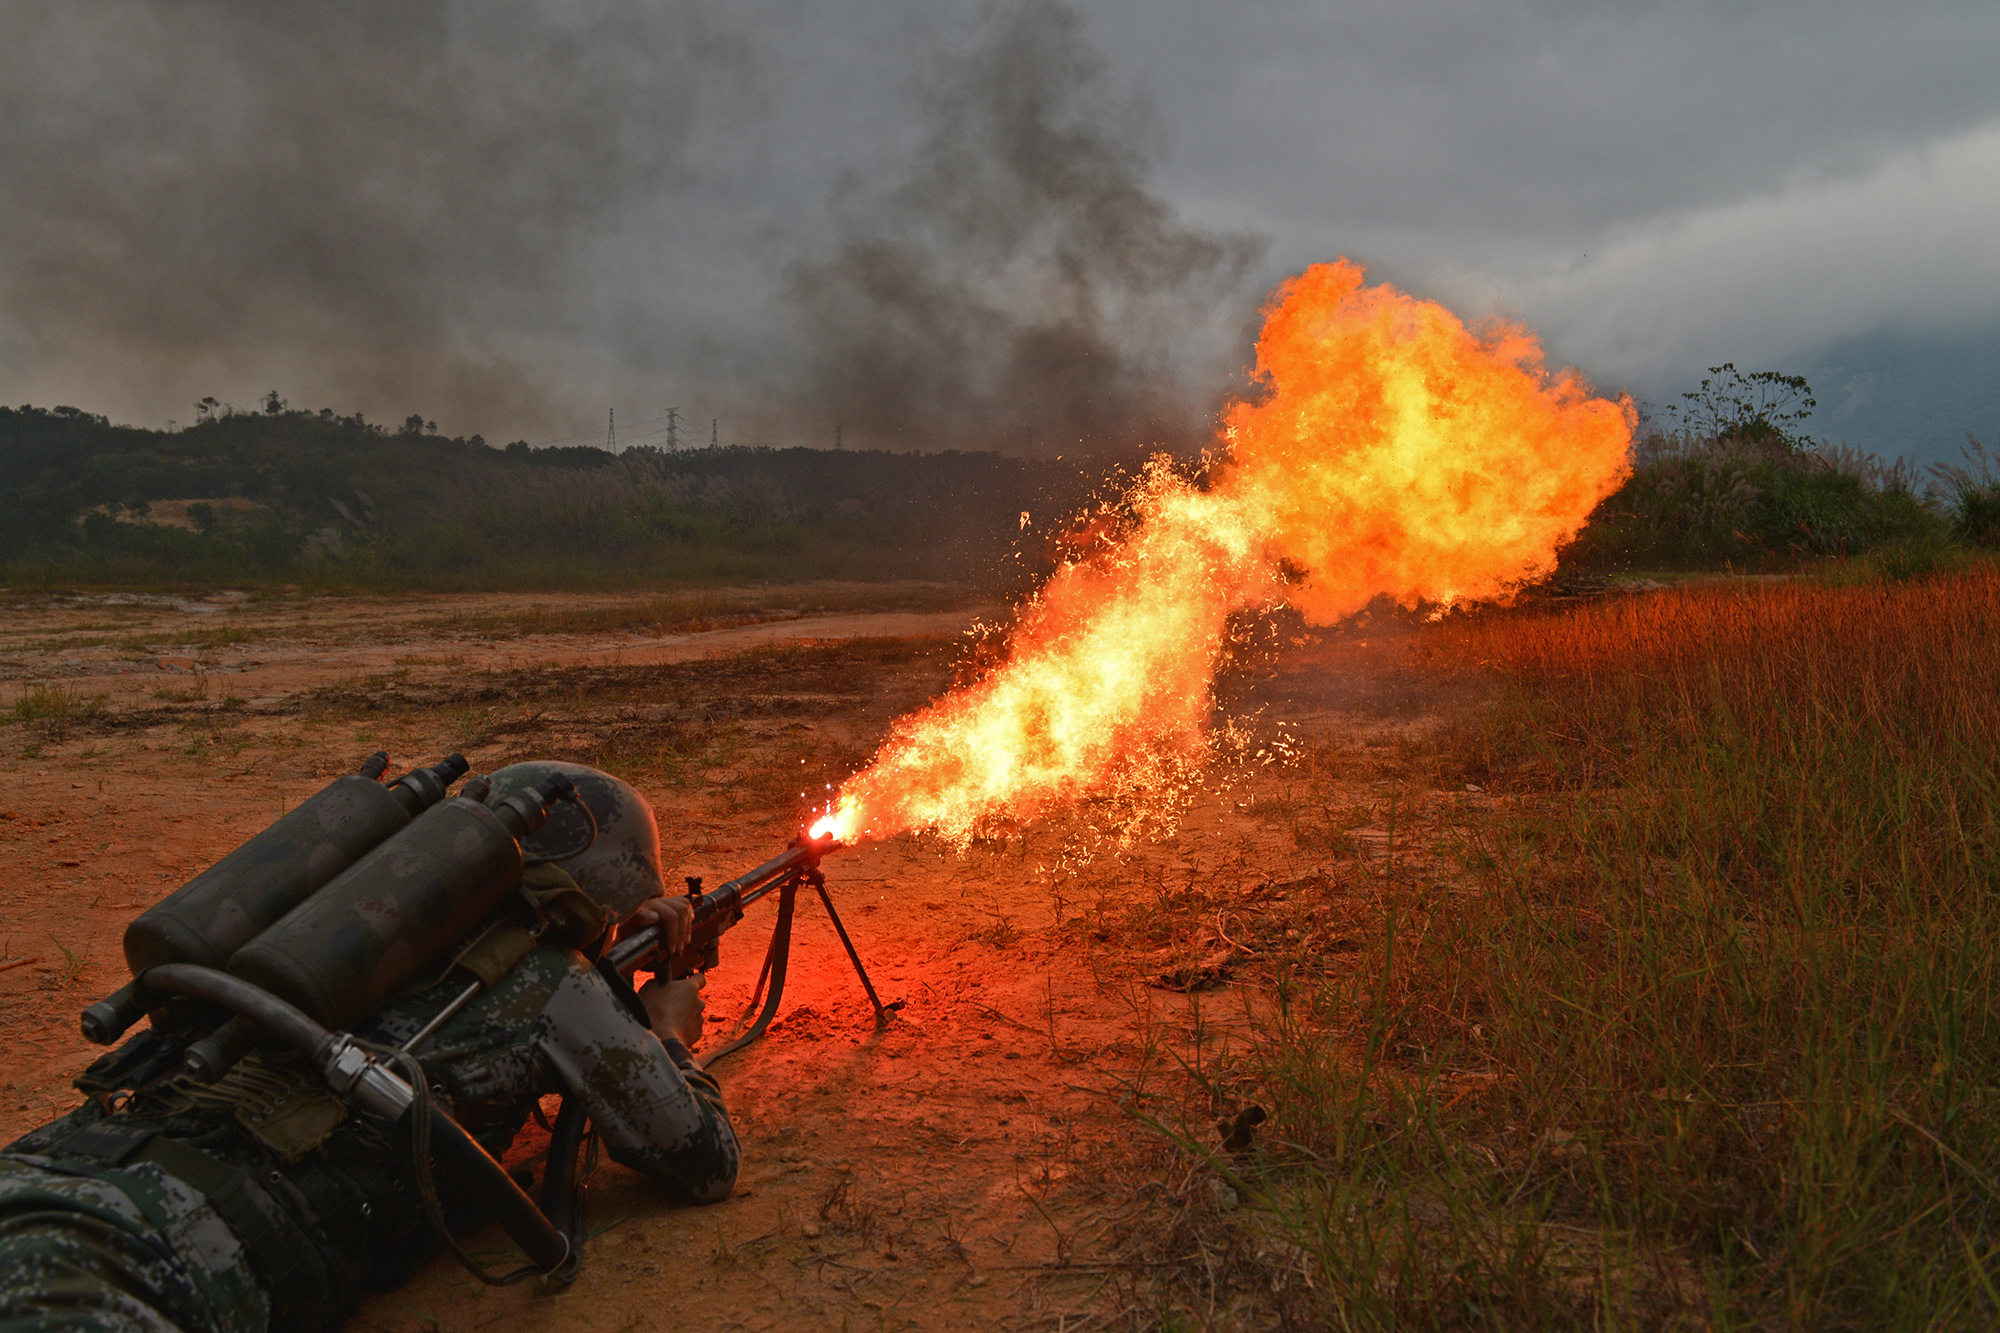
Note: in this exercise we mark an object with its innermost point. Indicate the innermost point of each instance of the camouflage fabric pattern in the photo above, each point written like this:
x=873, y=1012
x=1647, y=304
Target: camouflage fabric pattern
x=655, y=1111
x=134, y=1250
x=96, y=1243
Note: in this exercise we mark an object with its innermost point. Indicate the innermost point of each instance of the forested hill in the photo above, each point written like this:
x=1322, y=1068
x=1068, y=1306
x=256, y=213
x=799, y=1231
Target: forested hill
x=292, y=496
x=319, y=500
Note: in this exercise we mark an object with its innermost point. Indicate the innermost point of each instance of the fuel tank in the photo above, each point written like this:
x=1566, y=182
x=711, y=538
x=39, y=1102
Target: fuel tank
x=398, y=910
x=229, y=904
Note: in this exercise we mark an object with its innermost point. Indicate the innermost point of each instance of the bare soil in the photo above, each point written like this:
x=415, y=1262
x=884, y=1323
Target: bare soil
x=978, y=1163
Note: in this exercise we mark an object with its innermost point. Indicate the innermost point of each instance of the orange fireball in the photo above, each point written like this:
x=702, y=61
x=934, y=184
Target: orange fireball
x=1401, y=453
x=1395, y=452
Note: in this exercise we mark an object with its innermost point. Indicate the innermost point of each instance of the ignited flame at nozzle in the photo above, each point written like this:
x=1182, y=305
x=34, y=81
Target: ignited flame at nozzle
x=837, y=824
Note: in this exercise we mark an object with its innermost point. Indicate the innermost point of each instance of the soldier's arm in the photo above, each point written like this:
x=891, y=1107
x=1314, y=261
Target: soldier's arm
x=654, y=1110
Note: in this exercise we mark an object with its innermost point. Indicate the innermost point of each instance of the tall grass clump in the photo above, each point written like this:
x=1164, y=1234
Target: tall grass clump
x=1971, y=495
x=56, y=704
x=1708, y=1033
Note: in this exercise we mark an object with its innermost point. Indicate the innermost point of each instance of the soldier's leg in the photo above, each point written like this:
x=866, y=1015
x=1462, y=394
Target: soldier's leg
x=75, y=1271
x=79, y=1251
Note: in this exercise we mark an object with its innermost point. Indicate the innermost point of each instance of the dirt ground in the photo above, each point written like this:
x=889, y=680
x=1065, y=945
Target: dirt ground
x=976, y=1164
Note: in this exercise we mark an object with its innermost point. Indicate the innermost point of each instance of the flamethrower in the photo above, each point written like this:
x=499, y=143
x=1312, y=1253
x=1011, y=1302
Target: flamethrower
x=343, y=903
x=719, y=910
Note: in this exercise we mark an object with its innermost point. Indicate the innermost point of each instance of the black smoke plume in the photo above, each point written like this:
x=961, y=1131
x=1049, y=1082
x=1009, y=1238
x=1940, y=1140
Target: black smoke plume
x=1019, y=286
x=462, y=209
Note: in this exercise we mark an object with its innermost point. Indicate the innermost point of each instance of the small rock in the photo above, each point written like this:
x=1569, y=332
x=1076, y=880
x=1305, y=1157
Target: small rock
x=1226, y=1197
x=1562, y=1146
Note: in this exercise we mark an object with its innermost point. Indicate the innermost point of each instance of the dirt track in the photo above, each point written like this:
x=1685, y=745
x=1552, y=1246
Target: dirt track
x=970, y=1166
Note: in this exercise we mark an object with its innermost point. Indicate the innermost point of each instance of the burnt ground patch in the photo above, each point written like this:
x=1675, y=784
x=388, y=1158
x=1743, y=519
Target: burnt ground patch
x=804, y=679
x=770, y=727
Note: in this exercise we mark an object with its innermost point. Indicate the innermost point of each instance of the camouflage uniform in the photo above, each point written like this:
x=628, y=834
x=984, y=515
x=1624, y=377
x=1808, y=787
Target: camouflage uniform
x=183, y=1211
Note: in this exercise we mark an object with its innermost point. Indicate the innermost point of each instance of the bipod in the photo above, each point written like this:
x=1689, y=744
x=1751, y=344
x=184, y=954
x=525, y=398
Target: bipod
x=778, y=957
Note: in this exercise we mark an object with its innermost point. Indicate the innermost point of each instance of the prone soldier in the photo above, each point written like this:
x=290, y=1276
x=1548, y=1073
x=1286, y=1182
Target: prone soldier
x=259, y=1200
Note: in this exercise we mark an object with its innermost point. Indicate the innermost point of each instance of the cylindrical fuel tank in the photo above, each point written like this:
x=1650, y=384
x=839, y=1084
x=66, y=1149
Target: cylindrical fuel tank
x=351, y=946
x=229, y=904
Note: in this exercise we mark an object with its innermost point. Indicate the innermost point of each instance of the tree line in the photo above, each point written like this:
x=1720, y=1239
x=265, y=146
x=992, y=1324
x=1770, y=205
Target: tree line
x=318, y=498
x=275, y=495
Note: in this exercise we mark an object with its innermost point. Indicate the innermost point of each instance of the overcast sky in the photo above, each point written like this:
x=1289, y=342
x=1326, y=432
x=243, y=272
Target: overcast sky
x=953, y=223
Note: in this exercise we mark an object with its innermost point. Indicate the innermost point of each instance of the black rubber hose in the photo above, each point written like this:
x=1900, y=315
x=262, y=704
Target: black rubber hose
x=463, y=1160
x=559, y=1194
x=275, y=1016
x=460, y=1153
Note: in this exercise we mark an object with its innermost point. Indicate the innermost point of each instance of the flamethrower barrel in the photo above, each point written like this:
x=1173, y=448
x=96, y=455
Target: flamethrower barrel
x=630, y=953
x=727, y=901
x=804, y=852
x=457, y=1151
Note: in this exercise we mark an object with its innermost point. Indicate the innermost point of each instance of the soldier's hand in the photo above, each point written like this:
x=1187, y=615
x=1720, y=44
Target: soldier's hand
x=675, y=1008
x=675, y=917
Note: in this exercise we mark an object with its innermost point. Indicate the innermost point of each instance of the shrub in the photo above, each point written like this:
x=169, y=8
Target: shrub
x=1973, y=495
x=1703, y=501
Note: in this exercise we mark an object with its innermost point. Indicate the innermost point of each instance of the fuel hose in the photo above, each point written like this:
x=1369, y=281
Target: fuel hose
x=458, y=1152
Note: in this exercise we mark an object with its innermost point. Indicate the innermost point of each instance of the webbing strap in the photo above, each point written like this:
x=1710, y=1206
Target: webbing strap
x=280, y=1264
x=290, y=1267
x=108, y=1143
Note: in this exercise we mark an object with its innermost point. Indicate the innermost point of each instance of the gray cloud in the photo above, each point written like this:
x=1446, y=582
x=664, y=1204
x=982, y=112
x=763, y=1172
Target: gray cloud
x=1655, y=187
x=370, y=199
x=1542, y=121
x=944, y=222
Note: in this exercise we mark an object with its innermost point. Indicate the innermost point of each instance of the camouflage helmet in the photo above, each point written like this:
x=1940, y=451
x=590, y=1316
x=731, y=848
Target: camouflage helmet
x=620, y=868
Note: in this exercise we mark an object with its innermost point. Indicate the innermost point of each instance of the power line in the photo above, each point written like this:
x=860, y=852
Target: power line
x=590, y=437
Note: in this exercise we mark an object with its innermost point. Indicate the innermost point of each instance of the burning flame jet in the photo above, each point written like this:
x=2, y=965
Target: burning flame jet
x=1395, y=452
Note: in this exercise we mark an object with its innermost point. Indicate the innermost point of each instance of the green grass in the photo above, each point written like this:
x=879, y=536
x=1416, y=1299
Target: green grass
x=57, y=704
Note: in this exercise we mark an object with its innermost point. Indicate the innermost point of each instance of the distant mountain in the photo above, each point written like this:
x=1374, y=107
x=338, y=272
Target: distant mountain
x=1907, y=395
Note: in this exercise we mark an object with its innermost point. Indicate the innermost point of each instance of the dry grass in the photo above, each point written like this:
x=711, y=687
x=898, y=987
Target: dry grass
x=1693, y=1025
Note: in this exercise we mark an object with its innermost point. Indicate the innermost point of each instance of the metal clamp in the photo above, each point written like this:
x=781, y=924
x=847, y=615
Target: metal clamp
x=358, y=1077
